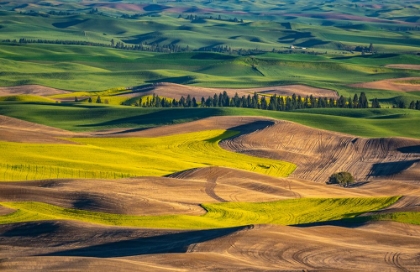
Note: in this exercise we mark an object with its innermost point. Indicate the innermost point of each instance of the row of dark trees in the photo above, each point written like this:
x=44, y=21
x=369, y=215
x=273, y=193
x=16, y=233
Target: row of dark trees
x=358, y=48
x=144, y=46
x=277, y=103
x=153, y=47
x=56, y=13
x=414, y=105
x=170, y=48
x=65, y=42
x=255, y=101
x=197, y=18
x=34, y=13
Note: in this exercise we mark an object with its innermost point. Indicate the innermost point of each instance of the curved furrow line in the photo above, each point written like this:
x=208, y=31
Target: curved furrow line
x=300, y=256
x=393, y=259
x=210, y=189
x=234, y=197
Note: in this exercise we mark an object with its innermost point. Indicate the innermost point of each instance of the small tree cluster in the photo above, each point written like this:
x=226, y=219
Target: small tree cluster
x=341, y=178
x=414, y=105
x=195, y=18
x=365, y=49
x=98, y=99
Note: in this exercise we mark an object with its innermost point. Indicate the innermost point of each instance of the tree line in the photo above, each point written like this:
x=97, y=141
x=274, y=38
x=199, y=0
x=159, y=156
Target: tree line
x=256, y=101
x=413, y=105
x=65, y=42
x=197, y=18
x=145, y=46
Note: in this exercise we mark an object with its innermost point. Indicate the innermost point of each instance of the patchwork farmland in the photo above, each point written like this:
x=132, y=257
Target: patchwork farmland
x=204, y=136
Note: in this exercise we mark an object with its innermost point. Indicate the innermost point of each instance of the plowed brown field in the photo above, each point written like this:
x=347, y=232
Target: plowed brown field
x=15, y=130
x=396, y=84
x=385, y=166
x=30, y=89
x=68, y=246
x=320, y=153
x=404, y=66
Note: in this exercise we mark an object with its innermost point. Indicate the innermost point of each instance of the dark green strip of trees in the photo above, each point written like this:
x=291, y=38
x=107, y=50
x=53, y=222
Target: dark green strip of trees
x=255, y=101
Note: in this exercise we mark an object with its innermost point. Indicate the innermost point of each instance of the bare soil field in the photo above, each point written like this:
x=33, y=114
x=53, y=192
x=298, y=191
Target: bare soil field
x=243, y=124
x=16, y=130
x=69, y=246
x=341, y=16
x=119, y=6
x=150, y=195
x=30, y=89
x=173, y=90
x=384, y=166
x=404, y=66
x=320, y=153
x=396, y=84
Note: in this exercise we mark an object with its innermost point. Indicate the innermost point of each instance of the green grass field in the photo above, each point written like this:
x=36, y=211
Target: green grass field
x=304, y=23
x=83, y=68
x=89, y=117
x=330, y=30
x=402, y=217
x=116, y=157
x=219, y=215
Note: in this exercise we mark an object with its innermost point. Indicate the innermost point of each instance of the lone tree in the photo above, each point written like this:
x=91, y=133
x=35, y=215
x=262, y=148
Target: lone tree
x=341, y=178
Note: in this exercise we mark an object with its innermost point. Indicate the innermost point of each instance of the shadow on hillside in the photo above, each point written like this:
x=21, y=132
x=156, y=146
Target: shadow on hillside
x=295, y=35
x=211, y=56
x=390, y=168
x=183, y=80
x=155, y=36
x=167, y=243
x=210, y=46
x=155, y=7
x=312, y=43
x=347, y=223
x=251, y=127
x=29, y=230
x=159, y=117
x=69, y=23
x=375, y=56
x=85, y=201
x=410, y=149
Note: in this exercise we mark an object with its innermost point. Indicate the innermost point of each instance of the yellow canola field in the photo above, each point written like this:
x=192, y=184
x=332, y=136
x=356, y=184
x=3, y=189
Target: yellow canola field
x=112, y=158
x=219, y=215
